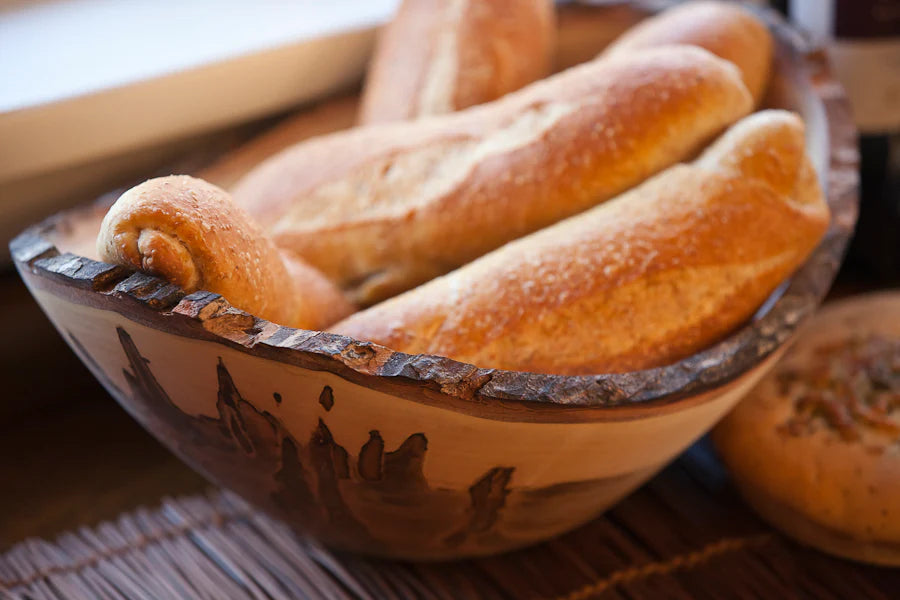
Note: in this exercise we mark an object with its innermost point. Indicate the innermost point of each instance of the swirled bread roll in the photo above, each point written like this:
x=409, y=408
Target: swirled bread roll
x=381, y=209
x=439, y=56
x=644, y=280
x=190, y=233
x=726, y=29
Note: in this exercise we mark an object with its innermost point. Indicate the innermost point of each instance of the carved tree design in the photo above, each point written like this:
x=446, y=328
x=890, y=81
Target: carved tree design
x=373, y=501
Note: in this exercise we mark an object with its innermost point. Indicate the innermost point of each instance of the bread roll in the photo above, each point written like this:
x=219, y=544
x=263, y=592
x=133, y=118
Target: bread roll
x=813, y=448
x=726, y=29
x=649, y=278
x=381, y=209
x=439, y=56
x=190, y=233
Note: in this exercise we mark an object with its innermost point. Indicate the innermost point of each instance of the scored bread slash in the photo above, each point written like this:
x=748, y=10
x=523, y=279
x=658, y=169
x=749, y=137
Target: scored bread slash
x=814, y=447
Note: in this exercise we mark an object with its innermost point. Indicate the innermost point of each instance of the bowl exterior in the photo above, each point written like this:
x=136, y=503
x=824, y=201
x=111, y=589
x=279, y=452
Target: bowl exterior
x=370, y=471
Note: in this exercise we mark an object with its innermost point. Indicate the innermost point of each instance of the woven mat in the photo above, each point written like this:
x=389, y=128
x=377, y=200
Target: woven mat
x=683, y=535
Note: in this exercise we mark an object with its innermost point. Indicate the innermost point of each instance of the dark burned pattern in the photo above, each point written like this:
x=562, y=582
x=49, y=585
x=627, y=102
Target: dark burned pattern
x=370, y=501
x=464, y=387
x=488, y=497
x=326, y=398
x=850, y=386
x=262, y=457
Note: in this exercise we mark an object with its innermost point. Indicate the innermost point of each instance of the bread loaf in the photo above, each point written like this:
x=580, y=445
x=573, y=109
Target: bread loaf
x=439, y=56
x=726, y=29
x=813, y=448
x=381, y=209
x=190, y=233
x=644, y=280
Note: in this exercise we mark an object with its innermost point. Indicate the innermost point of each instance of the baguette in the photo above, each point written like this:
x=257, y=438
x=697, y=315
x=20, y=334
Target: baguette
x=439, y=56
x=727, y=30
x=642, y=281
x=191, y=233
x=381, y=209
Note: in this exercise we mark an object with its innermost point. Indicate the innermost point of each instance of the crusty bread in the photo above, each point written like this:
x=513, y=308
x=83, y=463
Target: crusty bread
x=644, y=280
x=811, y=448
x=190, y=233
x=381, y=209
x=726, y=29
x=439, y=56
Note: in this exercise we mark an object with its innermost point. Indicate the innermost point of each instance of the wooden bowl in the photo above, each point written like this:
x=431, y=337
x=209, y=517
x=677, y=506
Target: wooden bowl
x=422, y=457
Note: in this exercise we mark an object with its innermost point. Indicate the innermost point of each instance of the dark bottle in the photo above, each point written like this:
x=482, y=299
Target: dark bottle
x=864, y=49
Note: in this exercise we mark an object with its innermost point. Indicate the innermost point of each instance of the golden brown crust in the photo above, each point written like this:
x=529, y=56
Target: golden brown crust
x=727, y=30
x=438, y=56
x=190, y=233
x=644, y=280
x=381, y=209
x=831, y=482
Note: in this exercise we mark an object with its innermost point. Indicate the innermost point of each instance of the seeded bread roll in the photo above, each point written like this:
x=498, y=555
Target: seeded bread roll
x=439, y=56
x=726, y=29
x=813, y=448
x=381, y=209
x=644, y=280
x=191, y=233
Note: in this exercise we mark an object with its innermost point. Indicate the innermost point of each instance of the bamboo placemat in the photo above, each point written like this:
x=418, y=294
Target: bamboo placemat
x=683, y=535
